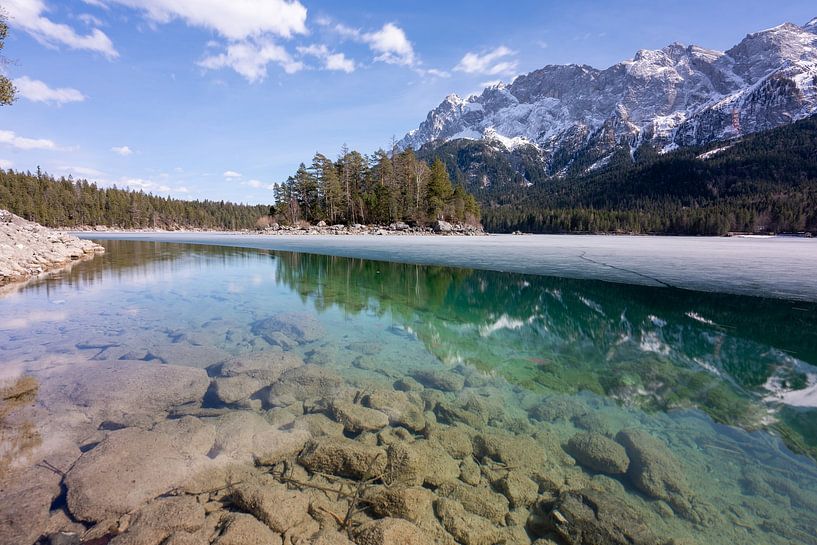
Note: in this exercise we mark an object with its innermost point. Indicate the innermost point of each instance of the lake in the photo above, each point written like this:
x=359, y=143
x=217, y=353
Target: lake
x=657, y=388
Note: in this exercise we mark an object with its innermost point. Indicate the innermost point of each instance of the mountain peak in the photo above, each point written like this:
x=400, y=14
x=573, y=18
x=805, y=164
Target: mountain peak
x=675, y=96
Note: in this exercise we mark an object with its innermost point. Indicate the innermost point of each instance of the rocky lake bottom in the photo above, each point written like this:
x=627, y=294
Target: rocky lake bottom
x=173, y=394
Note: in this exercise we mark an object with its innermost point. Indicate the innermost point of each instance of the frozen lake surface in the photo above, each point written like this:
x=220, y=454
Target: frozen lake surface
x=765, y=267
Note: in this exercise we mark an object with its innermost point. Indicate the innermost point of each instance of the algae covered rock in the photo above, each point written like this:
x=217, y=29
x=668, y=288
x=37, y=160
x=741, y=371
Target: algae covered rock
x=656, y=472
x=402, y=409
x=590, y=517
x=277, y=507
x=465, y=527
x=390, y=531
x=241, y=529
x=519, y=489
x=480, y=501
x=357, y=418
x=306, y=383
x=598, y=453
x=344, y=457
x=446, y=381
x=411, y=503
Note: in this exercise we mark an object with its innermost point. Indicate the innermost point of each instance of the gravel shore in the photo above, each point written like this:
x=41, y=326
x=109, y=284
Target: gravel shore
x=28, y=249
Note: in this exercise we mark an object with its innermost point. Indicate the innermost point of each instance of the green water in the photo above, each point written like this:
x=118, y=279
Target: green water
x=722, y=379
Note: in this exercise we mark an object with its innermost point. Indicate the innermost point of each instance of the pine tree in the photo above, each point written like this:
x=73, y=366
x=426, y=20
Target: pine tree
x=7, y=90
x=439, y=190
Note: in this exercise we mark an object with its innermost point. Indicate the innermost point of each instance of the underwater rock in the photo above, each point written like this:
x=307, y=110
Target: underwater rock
x=593, y=422
x=411, y=503
x=656, y=472
x=480, y=501
x=344, y=457
x=406, y=466
x=246, y=436
x=440, y=467
x=124, y=394
x=357, y=418
x=318, y=425
x=330, y=537
x=231, y=390
x=516, y=451
x=408, y=384
x=465, y=527
x=131, y=466
x=390, y=531
x=241, y=529
x=598, y=453
x=519, y=489
x=557, y=408
x=470, y=472
x=306, y=383
x=456, y=440
x=446, y=381
x=402, y=409
x=593, y=518
x=161, y=518
x=277, y=507
x=265, y=365
x=301, y=327
x=452, y=413
x=26, y=501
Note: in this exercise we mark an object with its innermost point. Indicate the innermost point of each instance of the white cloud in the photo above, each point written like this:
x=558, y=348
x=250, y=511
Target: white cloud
x=84, y=172
x=231, y=174
x=258, y=184
x=233, y=19
x=37, y=91
x=437, y=73
x=23, y=143
x=250, y=59
x=147, y=185
x=122, y=150
x=491, y=63
x=331, y=61
x=391, y=45
x=28, y=15
x=6, y=164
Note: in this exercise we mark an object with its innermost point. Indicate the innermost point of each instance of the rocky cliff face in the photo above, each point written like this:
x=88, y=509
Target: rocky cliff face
x=676, y=96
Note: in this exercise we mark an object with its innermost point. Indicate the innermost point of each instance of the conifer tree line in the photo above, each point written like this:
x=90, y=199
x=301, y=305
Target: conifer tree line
x=63, y=202
x=382, y=188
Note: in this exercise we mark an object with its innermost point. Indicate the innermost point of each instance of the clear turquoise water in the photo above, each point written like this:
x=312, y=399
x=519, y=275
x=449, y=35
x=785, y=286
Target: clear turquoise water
x=726, y=381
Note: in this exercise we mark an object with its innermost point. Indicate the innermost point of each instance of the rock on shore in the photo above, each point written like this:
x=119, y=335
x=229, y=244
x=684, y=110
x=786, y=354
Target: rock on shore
x=28, y=249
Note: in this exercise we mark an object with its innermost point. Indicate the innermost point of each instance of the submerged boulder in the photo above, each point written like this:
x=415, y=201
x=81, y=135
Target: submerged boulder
x=241, y=529
x=357, y=418
x=390, y=531
x=598, y=453
x=301, y=327
x=656, y=472
x=447, y=381
x=306, y=383
x=160, y=519
x=277, y=507
x=465, y=527
x=131, y=466
x=591, y=517
x=344, y=457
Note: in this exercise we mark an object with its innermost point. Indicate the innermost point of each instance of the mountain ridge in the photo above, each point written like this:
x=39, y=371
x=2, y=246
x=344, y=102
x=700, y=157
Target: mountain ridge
x=676, y=96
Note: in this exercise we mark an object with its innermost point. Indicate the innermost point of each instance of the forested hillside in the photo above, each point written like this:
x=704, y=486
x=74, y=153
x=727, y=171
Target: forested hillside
x=763, y=183
x=66, y=203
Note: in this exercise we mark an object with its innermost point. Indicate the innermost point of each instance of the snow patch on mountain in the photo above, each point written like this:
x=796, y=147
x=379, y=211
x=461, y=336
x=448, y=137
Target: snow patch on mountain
x=671, y=97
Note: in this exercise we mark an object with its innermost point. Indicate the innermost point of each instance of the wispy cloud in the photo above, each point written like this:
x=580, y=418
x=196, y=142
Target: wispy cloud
x=234, y=19
x=489, y=63
x=122, y=150
x=6, y=164
x=38, y=91
x=258, y=184
x=229, y=174
x=250, y=59
x=331, y=60
x=10, y=138
x=28, y=15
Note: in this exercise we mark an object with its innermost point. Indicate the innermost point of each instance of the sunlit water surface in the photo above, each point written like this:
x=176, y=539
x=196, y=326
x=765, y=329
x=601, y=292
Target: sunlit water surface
x=728, y=382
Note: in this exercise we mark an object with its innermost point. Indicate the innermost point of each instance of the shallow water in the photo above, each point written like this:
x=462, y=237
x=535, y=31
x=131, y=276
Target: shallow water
x=728, y=382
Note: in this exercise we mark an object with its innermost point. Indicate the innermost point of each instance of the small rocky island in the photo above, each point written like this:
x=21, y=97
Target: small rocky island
x=28, y=249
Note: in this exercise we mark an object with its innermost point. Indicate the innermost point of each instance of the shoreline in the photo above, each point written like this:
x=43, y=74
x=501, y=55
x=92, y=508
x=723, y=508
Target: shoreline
x=30, y=250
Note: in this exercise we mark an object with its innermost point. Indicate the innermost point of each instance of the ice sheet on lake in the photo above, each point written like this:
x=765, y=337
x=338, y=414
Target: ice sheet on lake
x=769, y=267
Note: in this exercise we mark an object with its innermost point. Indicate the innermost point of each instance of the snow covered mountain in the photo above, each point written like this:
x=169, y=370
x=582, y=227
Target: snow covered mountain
x=676, y=96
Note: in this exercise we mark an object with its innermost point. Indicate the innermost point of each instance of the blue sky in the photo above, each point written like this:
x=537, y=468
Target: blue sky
x=220, y=98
